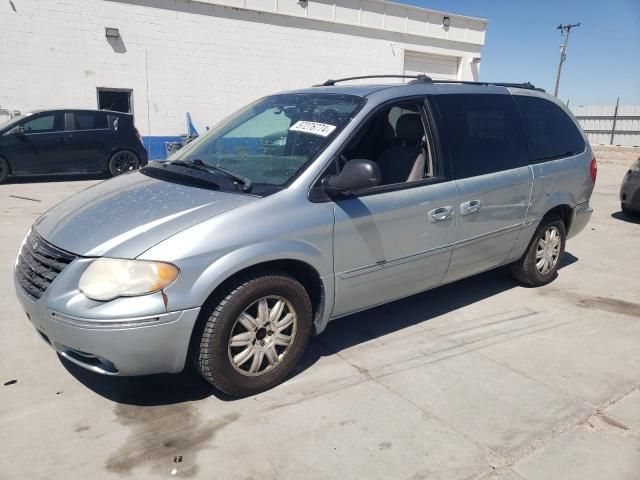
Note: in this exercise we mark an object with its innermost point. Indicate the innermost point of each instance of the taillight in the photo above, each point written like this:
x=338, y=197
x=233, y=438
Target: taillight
x=140, y=138
x=593, y=169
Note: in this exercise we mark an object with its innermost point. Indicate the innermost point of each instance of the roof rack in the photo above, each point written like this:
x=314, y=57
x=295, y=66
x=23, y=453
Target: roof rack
x=526, y=85
x=426, y=79
x=418, y=78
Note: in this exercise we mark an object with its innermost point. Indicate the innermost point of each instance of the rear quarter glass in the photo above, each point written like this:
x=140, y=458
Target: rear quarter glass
x=551, y=133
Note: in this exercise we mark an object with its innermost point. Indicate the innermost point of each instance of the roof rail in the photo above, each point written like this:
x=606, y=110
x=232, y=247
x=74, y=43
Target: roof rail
x=426, y=79
x=526, y=85
x=416, y=78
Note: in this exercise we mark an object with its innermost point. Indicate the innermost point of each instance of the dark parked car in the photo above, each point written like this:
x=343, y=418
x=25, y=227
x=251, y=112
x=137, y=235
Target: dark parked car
x=70, y=141
x=630, y=191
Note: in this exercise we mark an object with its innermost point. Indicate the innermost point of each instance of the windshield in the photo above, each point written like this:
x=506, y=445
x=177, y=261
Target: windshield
x=5, y=121
x=270, y=141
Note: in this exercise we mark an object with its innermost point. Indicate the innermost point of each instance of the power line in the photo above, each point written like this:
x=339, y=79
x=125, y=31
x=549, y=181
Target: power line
x=564, y=30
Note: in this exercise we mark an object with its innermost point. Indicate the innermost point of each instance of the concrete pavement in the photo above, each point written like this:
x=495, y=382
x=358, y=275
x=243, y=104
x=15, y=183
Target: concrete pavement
x=480, y=379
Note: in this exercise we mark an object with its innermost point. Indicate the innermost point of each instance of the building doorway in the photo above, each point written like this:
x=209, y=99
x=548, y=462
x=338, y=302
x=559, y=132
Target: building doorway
x=116, y=99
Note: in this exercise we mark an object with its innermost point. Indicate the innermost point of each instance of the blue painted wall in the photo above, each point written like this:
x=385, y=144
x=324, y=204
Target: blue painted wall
x=157, y=146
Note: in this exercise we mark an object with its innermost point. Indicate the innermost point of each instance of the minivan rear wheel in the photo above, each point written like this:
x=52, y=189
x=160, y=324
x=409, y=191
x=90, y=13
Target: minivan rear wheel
x=4, y=169
x=539, y=264
x=122, y=162
x=252, y=339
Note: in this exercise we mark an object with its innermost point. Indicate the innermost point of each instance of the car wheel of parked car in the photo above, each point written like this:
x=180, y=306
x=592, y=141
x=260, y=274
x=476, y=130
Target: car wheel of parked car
x=255, y=335
x=4, y=170
x=626, y=210
x=539, y=264
x=122, y=162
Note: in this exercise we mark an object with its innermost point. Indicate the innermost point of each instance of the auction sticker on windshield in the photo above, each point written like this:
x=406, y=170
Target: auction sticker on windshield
x=322, y=129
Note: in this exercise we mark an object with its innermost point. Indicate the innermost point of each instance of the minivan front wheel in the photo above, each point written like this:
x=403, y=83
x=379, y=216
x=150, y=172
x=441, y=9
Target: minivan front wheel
x=254, y=337
x=122, y=162
x=539, y=264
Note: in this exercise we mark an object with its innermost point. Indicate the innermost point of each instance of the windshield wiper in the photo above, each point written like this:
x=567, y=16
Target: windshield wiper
x=198, y=164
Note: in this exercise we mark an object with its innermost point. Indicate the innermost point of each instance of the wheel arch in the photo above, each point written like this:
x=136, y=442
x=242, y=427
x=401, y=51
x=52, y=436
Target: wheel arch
x=565, y=212
x=297, y=259
x=303, y=272
x=300, y=270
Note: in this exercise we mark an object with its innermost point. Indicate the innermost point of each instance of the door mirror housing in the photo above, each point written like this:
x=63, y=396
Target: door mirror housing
x=357, y=174
x=19, y=131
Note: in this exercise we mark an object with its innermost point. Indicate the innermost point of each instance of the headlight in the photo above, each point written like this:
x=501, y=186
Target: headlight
x=109, y=278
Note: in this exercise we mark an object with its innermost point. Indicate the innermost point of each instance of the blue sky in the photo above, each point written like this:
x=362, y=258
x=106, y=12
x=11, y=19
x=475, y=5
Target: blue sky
x=522, y=44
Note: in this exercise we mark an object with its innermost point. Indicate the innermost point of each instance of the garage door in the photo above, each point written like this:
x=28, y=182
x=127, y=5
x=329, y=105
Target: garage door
x=435, y=66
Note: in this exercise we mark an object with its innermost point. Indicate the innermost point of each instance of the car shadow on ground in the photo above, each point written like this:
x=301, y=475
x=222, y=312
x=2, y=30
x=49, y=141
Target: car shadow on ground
x=57, y=178
x=344, y=333
x=626, y=218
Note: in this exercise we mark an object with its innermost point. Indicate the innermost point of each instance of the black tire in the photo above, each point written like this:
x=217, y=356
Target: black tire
x=123, y=161
x=525, y=270
x=5, y=169
x=211, y=350
x=626, y=210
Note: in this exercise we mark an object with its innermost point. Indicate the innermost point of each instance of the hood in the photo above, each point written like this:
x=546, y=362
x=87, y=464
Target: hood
x=129, y=214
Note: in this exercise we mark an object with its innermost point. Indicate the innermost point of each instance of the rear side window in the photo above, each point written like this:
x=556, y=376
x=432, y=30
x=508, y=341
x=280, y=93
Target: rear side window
x=550, y=131
x=89, y=121
x=114, y=121
x=484, y=133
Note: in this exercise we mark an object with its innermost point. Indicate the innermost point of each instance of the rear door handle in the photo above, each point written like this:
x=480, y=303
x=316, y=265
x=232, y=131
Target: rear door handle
x=440, y=214
x=61, y=139
x=470, y=207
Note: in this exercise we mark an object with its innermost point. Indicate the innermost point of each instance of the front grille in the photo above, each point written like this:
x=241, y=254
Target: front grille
x=39, y=263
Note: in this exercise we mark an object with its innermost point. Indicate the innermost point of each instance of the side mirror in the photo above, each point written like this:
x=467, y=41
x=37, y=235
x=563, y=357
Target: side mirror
x=19, y=131
x=357, y=174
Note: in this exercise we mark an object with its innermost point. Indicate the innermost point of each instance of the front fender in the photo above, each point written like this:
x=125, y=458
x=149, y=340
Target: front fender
x=196, y=284
x=249, y=256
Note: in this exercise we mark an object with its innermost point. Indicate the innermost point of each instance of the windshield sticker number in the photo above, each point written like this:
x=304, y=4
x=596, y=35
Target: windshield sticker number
x=314, y=128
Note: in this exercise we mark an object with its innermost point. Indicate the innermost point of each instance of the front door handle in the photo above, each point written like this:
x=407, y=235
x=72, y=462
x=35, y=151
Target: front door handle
x=440, y=214
x=470, y=207
x=61, y=139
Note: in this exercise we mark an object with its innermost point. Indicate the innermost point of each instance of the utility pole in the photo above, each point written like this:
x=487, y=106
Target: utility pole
x=564, y=30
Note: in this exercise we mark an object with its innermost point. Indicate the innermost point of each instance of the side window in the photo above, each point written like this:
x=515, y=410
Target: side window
x=550, y=131
x=89, y=121
x=483, y=132
x=41, y=124
x=394, y=138
x=113, y=122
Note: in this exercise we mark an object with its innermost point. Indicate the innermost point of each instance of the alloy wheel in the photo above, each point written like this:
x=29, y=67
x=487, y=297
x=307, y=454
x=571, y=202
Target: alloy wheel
x=124, y=162
x=548, y=250
x=262, y=336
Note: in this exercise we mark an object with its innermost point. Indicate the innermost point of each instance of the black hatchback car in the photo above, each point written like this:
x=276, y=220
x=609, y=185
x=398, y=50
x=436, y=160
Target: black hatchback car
x=70, y=141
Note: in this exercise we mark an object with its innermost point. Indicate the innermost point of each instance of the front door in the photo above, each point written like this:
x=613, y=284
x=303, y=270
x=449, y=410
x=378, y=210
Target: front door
x=486, y=142
x=395, y=239
x=43, y=147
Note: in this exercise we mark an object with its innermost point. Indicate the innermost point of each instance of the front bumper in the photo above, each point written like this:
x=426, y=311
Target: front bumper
x=125, y=346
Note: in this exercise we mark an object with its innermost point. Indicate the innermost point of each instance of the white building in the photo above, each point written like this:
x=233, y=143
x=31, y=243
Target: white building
x=163, y=58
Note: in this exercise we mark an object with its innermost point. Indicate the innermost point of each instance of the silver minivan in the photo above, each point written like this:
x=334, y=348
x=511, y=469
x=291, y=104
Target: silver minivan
x=301, y=208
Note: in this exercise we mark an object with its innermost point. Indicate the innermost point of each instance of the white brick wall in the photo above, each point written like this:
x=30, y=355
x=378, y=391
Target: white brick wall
x=198, y=57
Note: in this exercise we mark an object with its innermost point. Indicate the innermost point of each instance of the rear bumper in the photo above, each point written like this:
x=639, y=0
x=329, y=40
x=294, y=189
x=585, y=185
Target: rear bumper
x=125, y=346
x=581, y=216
